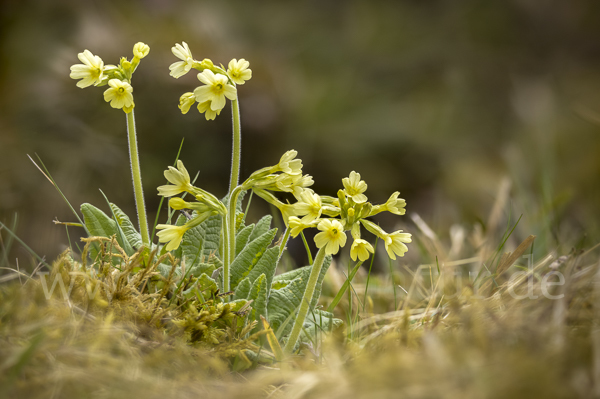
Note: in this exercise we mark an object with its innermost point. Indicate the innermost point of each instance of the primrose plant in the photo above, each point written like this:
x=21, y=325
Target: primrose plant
x=216, y=247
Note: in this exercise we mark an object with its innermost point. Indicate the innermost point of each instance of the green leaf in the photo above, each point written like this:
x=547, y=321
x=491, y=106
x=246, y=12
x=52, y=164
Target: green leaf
x=241, y=239
x=206, y=283
x=303, y=273
x=284, y=302
x=131, y=235
x=200, y=269
x=258, y=293
x=97, y=222
x=318, y=321
x=100, y=224
x=267, y=266
x=261, y=228
x=201, y=241
x=243, y=264
x=243, y=289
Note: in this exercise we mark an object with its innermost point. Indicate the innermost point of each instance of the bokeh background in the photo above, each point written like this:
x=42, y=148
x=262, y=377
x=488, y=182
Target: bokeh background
x=438, y=99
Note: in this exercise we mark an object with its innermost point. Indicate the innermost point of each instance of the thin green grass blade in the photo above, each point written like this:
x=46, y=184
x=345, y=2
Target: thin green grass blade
x=31, y=251
x=369, y=274
x=310, y=258
x=344, y=287
x=49, y=177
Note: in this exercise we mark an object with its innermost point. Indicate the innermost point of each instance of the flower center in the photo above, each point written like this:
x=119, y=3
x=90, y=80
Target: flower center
x=121, y=90
x=334, y=231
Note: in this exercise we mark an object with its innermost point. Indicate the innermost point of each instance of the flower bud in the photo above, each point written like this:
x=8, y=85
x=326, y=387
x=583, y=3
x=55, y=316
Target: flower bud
x=140, y=50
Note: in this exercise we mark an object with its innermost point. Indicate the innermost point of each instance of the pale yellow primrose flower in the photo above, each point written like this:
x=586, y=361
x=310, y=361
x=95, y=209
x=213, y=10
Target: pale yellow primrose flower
x=354, y=187
x=332, y=236
x=296, y=225
x=309, y=204
x=215, y=91
x=238, y=71
x=209, y=114
x=186, y=101
x=140, y=50
x=289, y=165
x=180, y=68
x=119, y=95
x=179, y=204
x=90, y=72
x=394, y=205
x=171, y=234
x=394, y=243
x=361, y=248
x=179, y=179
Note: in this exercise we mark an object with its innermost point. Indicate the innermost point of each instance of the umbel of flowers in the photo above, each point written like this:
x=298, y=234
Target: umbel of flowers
x=119, y=94
x=332, y=216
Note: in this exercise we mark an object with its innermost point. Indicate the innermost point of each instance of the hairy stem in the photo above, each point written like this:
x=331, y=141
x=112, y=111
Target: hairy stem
x=230, y=236
x=237, y=146
x=137, y=179
x=306, y=300
x=286, y=237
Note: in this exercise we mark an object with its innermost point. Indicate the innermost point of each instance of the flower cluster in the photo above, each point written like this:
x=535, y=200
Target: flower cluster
x=332, y=216
x=117, y=77
x=206, y=205
x=219, y=83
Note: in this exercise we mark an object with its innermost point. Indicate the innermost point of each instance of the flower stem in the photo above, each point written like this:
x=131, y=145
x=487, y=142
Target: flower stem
x=306, y=300
x=286, y=237
x=237, y=146
x=230, y=235
x=137, y=179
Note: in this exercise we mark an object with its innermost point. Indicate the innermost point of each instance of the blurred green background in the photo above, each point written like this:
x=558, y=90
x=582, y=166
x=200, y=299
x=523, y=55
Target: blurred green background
x=437, y=99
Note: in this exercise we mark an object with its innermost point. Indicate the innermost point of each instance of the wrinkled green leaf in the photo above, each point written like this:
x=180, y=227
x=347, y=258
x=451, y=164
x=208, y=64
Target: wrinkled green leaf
x=316, y=322
x=267, y=266
x=131, y=235
x=261, y=227
x=258, y=293
x=243, y=289
x=243, y=264
x=241, y=239
x=201, y=241
x=283, y=302
x=100, y=224
x=286, y=299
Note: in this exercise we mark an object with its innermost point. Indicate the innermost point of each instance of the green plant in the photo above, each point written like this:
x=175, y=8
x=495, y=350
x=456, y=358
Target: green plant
x=215, y=247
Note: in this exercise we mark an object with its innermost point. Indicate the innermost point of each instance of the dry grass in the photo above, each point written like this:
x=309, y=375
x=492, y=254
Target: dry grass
x=448, y=337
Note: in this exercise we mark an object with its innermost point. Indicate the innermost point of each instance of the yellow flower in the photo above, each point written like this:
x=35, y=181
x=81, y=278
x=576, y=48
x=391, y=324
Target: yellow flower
x=309, y=204
x=354, y=187
x=180, y=68
x=361, y=248
x=394, y=205
x=179, y=179
x=288, y=164
x=296, y=225
x=209, y=114
x=394, y=243
x=179, y=203
x=90, y=72
x=186, y=101
x=293, y=183
x=215, y=91
x=332, y=236
x=238, y=71
x=140, y=50
x=171, y=234
x=119, y=95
